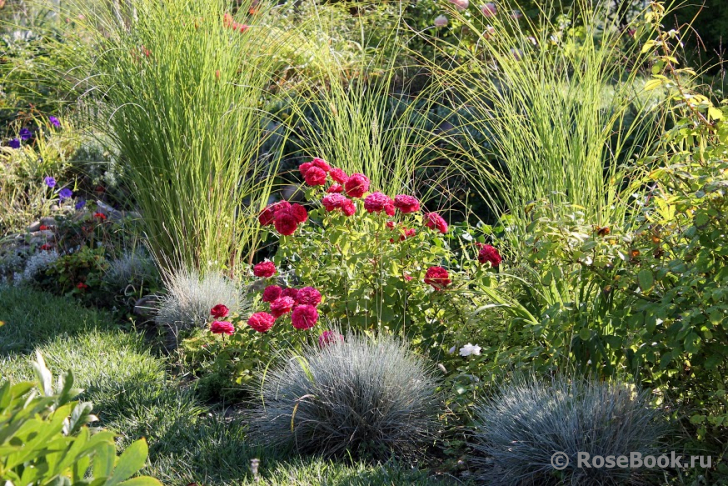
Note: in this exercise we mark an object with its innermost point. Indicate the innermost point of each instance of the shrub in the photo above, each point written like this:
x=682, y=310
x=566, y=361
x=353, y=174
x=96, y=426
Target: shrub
x=189, y=298
x=370, y=399
x=46, y=439
x=528, y=421
x=133, y=268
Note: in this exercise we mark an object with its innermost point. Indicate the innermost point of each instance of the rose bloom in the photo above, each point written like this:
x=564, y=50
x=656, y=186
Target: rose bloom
x=329, y=337
x=290, y=292
x=266, y=216
x=315, y=176
x=271, y=293
x=335, y=189
x=440, y=21
x=338, y=175
x=264, y=269
x=437, y=277
x=304, y=317
x=406, y=204
x=299, y=212
x=282, y=305
x=356, y=185
x=489, y=254
x=489, y=9
x=285, y=223
x=303, y=168
x=460, y=4
x=261, y=321
x=219, y=311
x=321, y=164
x=377, y=202
x=348, y=208
x=308, y=296
x=222, y=327
x=435, y=221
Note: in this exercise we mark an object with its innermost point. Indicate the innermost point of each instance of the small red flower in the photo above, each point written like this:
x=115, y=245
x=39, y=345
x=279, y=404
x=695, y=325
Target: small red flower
x=261, y=321
x=335, y=189
x=437, y=277
x=271, y=293
x=227, y=20
x=219, y=311
x=489, y=254
x=243, y=27
x=435, y=221
x=406, y=204
x=304, y=317
x=338, y=175
x=356, y=185
x=100, y=216
x=308, y=296
x=81, y=285
x=315, y=176
x=407, y=233
x=45, y=247
x=43, y=227
x=329, y=337
x=222, y=327
x=264, y=269
x=282, y=305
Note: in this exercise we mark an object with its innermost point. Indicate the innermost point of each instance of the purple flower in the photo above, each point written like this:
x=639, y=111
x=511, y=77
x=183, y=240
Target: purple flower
x=80, y=204
x=25, y=134
x=50, y=181
x=65, y=193
x=54, y=121
x=14, y=143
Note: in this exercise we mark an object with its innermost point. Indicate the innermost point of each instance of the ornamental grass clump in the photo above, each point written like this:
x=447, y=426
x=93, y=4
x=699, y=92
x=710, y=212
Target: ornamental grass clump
x=189, y=298
x=518, y=432
x=351, y=397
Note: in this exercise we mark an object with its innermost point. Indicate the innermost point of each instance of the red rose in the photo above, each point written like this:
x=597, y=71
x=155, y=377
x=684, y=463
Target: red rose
x=285, y=223
x=377, y=202
x=390, y=224
x=222, y=327
x=266, y=216
x=299, y=212
x=304, y=317
x=407, y=233
x=290, y=292
x=435, y=221
x=348, y=208
x=356, y=185
x=282, y=206
x=264, y=269
x=437, y=277
x=271, y=293
x=321, y=164
x=261, y=321
x=335, y=189
x=338, y=175
x=303, y=168
x=282, y=305
x=406, y=204
x=315, y=176
x=333, y=201
x=308, y=296
x=489, y=254
x=329, y=337
x=219, y=311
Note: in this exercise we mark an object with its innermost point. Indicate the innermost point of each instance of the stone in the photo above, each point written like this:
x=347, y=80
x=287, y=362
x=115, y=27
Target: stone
x=35, y=226
x=48, y=221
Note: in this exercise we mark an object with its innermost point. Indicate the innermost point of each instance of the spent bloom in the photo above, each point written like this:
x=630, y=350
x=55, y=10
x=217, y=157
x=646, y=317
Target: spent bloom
x=304, y=317
x=440, y=21
x=222, y=327
x=261, y=321
x=469, y=349
x=437, y=277
x=264, y=269
x=50, y=181
x=219, y=311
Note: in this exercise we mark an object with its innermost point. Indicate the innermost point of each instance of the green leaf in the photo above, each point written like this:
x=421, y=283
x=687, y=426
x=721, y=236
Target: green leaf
x=131, y=461
x=645, y=279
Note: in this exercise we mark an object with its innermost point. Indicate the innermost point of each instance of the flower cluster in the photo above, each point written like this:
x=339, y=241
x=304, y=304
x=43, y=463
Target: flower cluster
x=300, y=303
x=284, y=216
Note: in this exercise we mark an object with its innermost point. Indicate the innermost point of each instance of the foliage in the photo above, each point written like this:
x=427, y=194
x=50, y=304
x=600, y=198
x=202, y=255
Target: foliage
x=190, y=296
x=559, y=101
x=522, y=427
x=45, y=438
x=359, y=397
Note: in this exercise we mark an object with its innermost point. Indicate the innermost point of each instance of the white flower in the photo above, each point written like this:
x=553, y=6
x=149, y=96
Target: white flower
x=469, y=349
x=440, y=21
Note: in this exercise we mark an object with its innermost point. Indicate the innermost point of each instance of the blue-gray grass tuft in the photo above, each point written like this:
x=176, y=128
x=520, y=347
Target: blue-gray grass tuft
x=518, y=432
x=360, y=398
